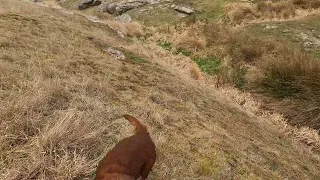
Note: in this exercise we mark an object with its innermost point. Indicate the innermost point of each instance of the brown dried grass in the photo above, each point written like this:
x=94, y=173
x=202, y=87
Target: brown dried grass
x=240, y=13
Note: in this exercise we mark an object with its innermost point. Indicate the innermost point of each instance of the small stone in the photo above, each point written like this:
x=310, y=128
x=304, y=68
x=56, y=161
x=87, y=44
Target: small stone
x=286, y=31
x=153, y=1
x=308, y=44
x=120, y=34
x=143, y=10
x=182, y=9
x=116, y=53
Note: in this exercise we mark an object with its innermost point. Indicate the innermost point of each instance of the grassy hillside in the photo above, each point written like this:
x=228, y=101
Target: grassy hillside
x=259, y=50
x=62, y=97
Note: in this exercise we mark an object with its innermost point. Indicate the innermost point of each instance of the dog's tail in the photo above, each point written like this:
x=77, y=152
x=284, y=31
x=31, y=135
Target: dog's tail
x=140, y=128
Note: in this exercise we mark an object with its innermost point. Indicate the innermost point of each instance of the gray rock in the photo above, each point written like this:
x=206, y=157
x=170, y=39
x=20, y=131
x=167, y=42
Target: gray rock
x=143, y=10
x=122, y=6
x=103, y=7
x=153, y=1
x=108, y=7
x=120, y=34
x=84, y=4
x=182, y=15
x=304, y=36
x=124, y=18
x=94, y=19
x=286, y=31
x=183, y=9
x=116, y=53
x=308, y=44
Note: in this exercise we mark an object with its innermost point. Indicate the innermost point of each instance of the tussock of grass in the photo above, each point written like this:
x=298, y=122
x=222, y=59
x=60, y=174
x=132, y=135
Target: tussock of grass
x=195, y=72
x=190, y=41
x=239, y=13
x=131, y=29
x=293, y=75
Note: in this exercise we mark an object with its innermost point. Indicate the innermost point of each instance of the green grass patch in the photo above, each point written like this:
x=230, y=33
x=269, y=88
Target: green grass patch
x=184, y=52
x=237, y=76
x=135, y=58
x=209, y=64
x=165, y=45
x=157, y=16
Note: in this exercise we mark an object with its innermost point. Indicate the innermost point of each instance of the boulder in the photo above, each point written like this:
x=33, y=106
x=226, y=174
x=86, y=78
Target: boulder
x=124, y=18
x=121, y=7
x=84, y=4
x=109, y=7
x=103, y=7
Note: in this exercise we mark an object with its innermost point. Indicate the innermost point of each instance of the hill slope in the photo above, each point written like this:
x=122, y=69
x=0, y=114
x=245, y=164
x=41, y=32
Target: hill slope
x=62, y=97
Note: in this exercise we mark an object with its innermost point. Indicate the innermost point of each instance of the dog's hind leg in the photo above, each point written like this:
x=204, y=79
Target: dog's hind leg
x=147, y=168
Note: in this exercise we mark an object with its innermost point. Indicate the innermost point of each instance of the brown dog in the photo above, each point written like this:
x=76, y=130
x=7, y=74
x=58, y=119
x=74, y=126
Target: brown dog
x=131, y=158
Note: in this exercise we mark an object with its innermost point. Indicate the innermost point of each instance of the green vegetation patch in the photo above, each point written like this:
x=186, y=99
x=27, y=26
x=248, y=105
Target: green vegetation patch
x=238, y=76
x=134, y=57
x=165, y=45
x=209, y=64
x=183, y=51
x=157, y=16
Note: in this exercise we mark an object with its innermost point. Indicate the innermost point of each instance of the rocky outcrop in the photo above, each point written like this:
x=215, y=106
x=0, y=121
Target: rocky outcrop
x=121, y=7
x=84, y=4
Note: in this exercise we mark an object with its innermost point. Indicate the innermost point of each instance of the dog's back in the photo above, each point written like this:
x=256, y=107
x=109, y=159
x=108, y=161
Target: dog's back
x=133, y=156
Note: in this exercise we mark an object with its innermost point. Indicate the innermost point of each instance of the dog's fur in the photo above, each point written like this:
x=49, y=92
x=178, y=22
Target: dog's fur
x=131, y=158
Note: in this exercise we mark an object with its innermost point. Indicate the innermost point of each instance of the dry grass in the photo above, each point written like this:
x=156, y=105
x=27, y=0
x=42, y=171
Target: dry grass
x=239, y=13
x=131, y=29
x=219, y=37
x=307, y=4
x=274, y=68
x=281, y=9
x=62, y=96
x=195, y=72
x=134, y=29
x=283, y=73
x=293, y=75
x=190, y=40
